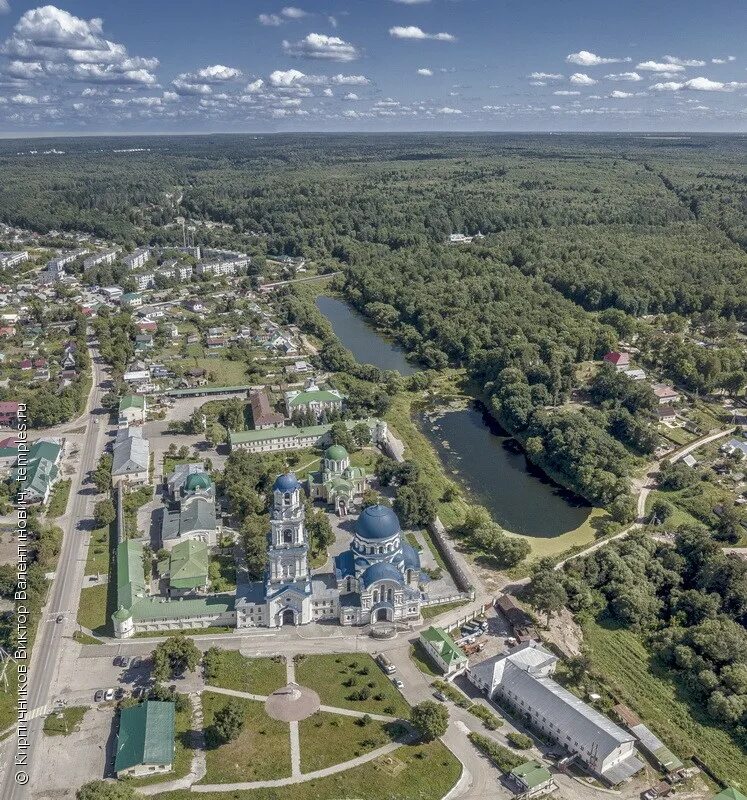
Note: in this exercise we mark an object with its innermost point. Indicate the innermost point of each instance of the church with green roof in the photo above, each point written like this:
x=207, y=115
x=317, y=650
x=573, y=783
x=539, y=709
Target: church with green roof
x=337, y=483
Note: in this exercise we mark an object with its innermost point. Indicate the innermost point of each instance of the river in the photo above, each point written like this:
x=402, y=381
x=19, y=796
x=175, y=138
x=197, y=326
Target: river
x=487, y=463
x=363, y=341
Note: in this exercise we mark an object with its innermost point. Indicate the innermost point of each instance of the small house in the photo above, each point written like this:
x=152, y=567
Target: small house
x=145, y=740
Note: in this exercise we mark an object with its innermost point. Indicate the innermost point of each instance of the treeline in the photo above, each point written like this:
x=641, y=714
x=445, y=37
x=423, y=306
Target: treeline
x=689, y=600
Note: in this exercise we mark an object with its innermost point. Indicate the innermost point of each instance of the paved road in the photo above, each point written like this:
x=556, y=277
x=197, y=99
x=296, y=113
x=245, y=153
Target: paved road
x=63, y=594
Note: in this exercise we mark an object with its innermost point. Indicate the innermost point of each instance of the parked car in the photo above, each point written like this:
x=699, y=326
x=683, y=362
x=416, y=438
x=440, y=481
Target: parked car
x=99, y=696
x=385, y=664
x=398, y=683
x=440, y=696
x=119, y=694
x=109, y=695
x=124, y=662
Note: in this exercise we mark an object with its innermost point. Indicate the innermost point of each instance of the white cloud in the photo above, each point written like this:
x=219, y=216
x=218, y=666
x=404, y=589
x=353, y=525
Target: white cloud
x=328, y=93
x=556, y=108
x=4, y=7
x=287, y=77
x=349, y=80
x=545, y=76
x=109, y=73
x=658, y=66
x=581, y=79
x=351, y=96
x=321, y=46
x=24, y=100
x=332, y=21
x=624, y=76
x=291, y=12
x=618, y=95
x=217, y=73
x=586, y=59
x=425, y=72
x=566, y=93
x=187, y=88
x=723, y=60
x=270, y=19
x=254, y=86
x=24, y=70
x=446, y=110
x=413, y=32
x=684, y=62
x=538, y=83
x=698, y=85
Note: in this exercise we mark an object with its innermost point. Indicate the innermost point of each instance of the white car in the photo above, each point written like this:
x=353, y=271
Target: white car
x=398, y=683
x=109, y=695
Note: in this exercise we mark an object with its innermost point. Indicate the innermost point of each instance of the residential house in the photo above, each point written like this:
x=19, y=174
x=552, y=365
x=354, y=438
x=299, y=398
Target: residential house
x=666, y=394
x=521, y=680
x=144, y=280
x=447, y=655
x=136, y=259
x=620, y=361
x=636, y=374
x=112, y=293
x=132, y=410
x=131, y=460
x=9, y=414
x=735, y=446
x=666, y=413
x=38, y=471
x=263, y=413
x=145, y=739
x=217, y=269
x=131, y=300
x=98, y=259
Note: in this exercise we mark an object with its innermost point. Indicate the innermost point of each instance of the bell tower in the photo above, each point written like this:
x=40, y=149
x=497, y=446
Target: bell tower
x=288, y=552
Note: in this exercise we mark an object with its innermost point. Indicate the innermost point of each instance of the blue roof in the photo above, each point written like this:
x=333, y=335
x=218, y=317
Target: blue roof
x=377, y=522
x=383, y=571
x=286, y=483
x=412, y=557
x=344, y=564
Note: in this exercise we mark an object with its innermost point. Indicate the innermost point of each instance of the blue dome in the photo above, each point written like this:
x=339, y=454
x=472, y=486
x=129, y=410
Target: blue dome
x=286, y=483
x=412, y=557
x=377, y=522
x=383, y=571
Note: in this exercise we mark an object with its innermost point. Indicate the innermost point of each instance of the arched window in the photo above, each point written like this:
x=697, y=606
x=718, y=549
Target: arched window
x=381, y=549
x=287, y=499
x=389, y=595
x=376, y=596
x=287, y=536
x=409, y=576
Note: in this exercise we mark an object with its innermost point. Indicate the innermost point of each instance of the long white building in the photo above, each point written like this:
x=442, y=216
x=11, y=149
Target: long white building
x=521, y=681
x=104, y=257
x=137, y=258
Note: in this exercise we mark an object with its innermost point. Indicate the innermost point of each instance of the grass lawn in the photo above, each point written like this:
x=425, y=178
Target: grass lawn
x=221, y=371
x=679, y=516
x=423, y=661
x=260, y=752
x=678, y=436
x=328, y=739
x=184, y=742
x=620, y=658
x=252, y=675
x=428, y=612
x=8, y=710
x=95, y=610
x=84, y=638
x=58, y=500
x=326, y=675
x=99, y=552
x=567, y=543
x=222, y=571
x=414, y=772
x=66, y=722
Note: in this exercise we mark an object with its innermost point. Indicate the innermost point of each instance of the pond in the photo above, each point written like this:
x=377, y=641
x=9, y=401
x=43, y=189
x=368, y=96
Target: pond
x=362, y=339
x=495, y=472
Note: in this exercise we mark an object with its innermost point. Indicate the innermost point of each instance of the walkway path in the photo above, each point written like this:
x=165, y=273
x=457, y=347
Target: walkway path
x=295, y=739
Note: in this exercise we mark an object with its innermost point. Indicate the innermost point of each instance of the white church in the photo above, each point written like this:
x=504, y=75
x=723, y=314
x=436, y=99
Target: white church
x=377, y=579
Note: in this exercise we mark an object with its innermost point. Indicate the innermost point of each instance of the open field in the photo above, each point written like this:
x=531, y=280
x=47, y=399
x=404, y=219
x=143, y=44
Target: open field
x=94, y=611
x=621, y=660
x=414, y=772
x=328, y=739
x=220, y=371
x=99, y=552
x=58, y=501
x=260, y=752
x=328, y=674
x=66, y=722
x=252, y=675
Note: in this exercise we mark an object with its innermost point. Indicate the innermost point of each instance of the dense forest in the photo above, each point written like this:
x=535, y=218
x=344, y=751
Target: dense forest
x=584, y=236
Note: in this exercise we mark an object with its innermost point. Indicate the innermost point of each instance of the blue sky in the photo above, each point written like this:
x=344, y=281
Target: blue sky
x=372, y=65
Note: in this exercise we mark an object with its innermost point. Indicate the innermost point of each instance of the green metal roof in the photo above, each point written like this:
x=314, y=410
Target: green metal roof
x=336, y=453
x=188, y=565
x=131, y=401
x=730, y=794
x=532, y=774
x=444, y=644
x=197, y=480
x=146, y=735
x=130, y=575
x=154, y=608
x=41, y=469
x=320, y=396
x=289, y=431
x=200, y=390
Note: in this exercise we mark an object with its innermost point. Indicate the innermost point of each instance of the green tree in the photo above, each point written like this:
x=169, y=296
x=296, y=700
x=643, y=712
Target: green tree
x=545, y=591
x=228, y=721
x=174, y=656
x=431, y=719
x=104, y=513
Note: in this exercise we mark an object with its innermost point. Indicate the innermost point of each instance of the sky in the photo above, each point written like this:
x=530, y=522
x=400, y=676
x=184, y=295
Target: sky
x=190, y=66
